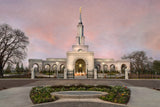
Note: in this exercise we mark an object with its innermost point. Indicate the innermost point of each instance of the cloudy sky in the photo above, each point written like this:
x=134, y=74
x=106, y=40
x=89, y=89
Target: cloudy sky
x=112, y=27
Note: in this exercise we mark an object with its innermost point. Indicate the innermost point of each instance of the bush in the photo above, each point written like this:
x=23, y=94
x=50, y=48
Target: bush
x=117, y=94
x=47, y=72
x=41, y=94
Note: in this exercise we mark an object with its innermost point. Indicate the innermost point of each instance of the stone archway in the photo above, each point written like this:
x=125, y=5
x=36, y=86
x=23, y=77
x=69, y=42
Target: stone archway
x=112, y=68
x=98, y=67
x=35, y=67
x=80, y=67
x=34, y=70
x=123, y=68
x=105, y=68
x=47, y=67
x=62, y=67
x=54, y=68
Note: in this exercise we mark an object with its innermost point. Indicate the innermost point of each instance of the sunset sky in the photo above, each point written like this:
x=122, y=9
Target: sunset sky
x=112, y=28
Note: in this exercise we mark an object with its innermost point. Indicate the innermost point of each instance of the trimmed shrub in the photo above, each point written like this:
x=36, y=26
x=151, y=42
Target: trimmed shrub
x=41, y=95
x=117, y=94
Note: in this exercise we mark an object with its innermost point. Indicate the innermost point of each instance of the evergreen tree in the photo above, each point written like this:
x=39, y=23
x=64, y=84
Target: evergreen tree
x=156, y=66
x=22, y=68
x=8, y=69
x=18, y=70
x=26, y=69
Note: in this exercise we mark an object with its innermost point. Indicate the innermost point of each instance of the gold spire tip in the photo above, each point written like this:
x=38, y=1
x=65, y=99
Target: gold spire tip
x=80, y=9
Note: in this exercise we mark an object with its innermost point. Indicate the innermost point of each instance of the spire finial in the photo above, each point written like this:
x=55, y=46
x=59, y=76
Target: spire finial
x=80, y=19
x=80, y=9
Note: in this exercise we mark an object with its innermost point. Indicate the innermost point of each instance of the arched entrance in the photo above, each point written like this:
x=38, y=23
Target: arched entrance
x=36, y=67
x=80, y=67
x=123, y=68
x=112, y=68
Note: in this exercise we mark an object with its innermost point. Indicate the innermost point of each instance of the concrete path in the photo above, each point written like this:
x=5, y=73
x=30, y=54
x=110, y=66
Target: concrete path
x=91, y=102
x=144, y=97
x=79, y=104
x=19, y=97
x=15, y=97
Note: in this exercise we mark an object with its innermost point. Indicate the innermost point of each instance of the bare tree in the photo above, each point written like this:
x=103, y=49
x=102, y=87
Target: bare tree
x=13, y=46
x=139, y=61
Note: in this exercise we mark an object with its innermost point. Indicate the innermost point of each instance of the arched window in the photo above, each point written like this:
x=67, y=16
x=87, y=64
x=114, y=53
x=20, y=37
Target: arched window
x=80, y=50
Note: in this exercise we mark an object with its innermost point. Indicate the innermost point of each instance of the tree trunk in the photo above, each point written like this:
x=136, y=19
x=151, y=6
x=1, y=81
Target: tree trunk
x=1, y=71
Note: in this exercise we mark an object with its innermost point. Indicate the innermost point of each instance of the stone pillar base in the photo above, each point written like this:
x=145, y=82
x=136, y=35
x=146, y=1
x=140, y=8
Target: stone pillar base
x=65, y=73
x=126, y=74
x=32, y=73
x=95, y=73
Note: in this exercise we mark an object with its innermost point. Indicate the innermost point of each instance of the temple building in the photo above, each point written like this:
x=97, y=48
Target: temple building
x=80, y=62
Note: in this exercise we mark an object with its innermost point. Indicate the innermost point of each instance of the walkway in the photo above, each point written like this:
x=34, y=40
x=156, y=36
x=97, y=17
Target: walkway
x=140, y=96
x=144, y=97
x=80, y=103
x=15, y=97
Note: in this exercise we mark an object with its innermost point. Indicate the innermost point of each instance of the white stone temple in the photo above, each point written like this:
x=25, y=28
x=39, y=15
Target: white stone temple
x=80, y=62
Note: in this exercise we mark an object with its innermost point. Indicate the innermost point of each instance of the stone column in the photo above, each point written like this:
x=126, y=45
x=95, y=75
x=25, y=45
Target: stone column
x=57, y=63
x=65, y=73
x=95, y=73
x=119, y=68
x=32, y=73
x=126, y=74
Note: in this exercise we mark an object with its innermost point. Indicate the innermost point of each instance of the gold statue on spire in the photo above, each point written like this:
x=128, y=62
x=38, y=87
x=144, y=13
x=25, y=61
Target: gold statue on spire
x=80, y=9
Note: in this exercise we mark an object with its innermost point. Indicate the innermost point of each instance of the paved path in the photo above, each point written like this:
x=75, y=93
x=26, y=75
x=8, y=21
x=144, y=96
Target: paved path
x=92, y=102
x=140, y=96
x=79, y=104
x=9, y=83
x=19, y=97
x=144, y=97
x=155, y=83
x=78, y=81
x=15, y=97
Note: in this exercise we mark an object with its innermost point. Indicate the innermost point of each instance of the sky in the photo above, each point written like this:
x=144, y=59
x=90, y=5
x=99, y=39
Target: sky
x=112, y=28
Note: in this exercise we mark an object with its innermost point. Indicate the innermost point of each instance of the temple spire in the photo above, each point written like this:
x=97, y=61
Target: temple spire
x=80, y=18
x=80, y=37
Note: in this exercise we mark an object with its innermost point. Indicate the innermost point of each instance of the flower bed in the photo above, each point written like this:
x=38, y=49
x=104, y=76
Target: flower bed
x=117, y=94
x=81, y=88
x=41, y=95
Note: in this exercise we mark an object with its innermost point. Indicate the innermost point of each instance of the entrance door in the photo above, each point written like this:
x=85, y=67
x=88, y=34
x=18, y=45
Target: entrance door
x=80, y=68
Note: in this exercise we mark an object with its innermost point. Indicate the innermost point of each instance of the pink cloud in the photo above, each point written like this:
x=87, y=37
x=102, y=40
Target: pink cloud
x=112, y=28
